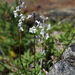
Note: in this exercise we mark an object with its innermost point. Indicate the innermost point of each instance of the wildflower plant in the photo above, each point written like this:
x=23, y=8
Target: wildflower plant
x=42, y=34
x=21, y=18
x=34, y=29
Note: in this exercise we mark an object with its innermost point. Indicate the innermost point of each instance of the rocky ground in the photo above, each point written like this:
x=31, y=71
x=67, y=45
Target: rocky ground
x=65, y=66
x=46, y=5
x=54, y=9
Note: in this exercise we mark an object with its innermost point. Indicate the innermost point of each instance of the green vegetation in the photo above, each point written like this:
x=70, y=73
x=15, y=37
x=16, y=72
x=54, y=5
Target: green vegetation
x=9, y=41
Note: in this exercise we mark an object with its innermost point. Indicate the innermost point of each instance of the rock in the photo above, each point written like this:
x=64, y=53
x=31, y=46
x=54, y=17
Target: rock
x=65, y=66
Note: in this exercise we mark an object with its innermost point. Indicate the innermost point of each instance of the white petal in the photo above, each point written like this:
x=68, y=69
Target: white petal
x=30, y=30
x=17, y=8
x=41, y=25
x=42, y=32
x=48, y=27
x=23, y=17
x=21, y=14
x=23, y=5
x=21, y=29
x=47, y=36
x=20, y=20
x=29, y=16
x=34, y=29
x=41, y=17
x=46, y=18
x=15, y=15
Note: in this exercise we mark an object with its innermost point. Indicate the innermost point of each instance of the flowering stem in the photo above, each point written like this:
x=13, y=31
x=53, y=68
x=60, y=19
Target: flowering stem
x=34, y=45
x=34, y=54
x=20, y=54
x=20, y=40
x=42, y=49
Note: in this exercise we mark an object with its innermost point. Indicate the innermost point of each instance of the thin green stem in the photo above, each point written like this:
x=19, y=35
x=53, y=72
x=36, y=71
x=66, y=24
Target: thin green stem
x=34, y=54
x=41, y=60
x=20, y=40
x=34, y=46
x=42, y=50
x=20, y=54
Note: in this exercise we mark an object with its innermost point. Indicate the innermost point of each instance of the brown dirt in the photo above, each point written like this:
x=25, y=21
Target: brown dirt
x=46, y=5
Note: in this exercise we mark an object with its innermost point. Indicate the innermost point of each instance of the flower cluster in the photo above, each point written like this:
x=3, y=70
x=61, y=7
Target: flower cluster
x=40, y=25
x=20, y=16
x=32, y=30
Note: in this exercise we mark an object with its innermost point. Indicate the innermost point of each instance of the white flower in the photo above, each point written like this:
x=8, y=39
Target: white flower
x=21, y=29
x=46, y=18
x=19, y=24
x=41, y=25
x=38, y=23
x=41, y=17
x=15, y=14
x=32, y=30
x=20, y=20
x=48, y=27
x=23, y=5
x=22, y=17
x=42, y=32
x=47, y=36
x=21, y=14
x=29, y=16
x=17, y=8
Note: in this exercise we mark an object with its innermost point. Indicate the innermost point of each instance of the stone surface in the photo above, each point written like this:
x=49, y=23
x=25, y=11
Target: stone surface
x=65, y=66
